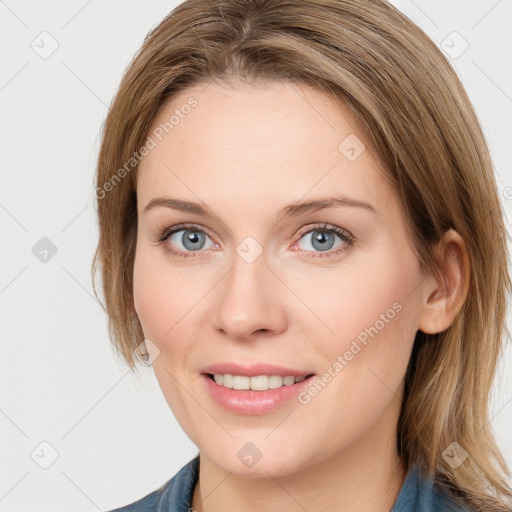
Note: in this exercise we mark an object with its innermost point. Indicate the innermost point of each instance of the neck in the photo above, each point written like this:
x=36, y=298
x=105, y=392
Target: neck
x=363, y=477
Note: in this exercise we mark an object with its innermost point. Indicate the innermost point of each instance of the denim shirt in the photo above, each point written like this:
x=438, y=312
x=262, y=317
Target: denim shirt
x=416, y=495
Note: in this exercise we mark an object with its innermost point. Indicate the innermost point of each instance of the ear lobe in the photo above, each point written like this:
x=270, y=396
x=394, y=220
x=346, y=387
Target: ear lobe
x=445, y=293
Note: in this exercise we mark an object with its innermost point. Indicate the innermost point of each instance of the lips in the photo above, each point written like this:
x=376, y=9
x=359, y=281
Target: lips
x=253, y=370
x=258, y=389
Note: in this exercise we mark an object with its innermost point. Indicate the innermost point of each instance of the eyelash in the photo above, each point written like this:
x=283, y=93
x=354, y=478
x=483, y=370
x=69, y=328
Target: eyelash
x=347, y=238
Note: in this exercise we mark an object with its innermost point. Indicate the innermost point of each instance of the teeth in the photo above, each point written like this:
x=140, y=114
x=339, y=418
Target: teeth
x=288, y=381
x=241, y=382
x=227, y=380
x=257, y=383
x=275, y=381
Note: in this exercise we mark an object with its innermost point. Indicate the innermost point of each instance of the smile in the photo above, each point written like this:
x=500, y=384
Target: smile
x=256, y=383
x=254, y=394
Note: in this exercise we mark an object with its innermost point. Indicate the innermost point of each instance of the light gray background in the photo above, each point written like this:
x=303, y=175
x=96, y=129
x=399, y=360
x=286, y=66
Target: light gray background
x=114, y=434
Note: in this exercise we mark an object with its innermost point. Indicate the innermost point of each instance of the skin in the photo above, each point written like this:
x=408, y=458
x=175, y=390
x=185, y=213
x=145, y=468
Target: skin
x=246, y=151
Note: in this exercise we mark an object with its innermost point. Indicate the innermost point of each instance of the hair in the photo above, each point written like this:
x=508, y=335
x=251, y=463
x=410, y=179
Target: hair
x=416, y=113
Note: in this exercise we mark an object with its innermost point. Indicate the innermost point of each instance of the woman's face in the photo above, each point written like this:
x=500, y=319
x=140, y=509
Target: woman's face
x=256, y=284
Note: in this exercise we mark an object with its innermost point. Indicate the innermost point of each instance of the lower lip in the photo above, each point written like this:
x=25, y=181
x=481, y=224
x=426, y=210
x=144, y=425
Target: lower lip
x=247, y=401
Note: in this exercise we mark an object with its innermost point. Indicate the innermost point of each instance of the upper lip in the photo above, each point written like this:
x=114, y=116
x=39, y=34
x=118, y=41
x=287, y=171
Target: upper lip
x=253, y=370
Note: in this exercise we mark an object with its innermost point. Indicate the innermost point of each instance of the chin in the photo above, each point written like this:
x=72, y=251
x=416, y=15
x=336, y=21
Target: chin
x=259, y=459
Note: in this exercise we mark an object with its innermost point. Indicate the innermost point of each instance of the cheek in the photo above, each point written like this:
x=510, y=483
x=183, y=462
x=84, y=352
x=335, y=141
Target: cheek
x=147, y=292
x=161, y=295
x=157, y=304
x=352, y=299
x=169, y=301
x=162, y=300
x=371, y=312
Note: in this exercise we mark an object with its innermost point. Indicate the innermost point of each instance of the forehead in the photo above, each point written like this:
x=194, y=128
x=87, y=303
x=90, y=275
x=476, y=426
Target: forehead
x=273, y=138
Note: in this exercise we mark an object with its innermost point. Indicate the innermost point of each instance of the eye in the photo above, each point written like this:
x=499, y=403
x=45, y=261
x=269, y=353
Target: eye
x=320, y=241
x=324, y=239
x=185, y=240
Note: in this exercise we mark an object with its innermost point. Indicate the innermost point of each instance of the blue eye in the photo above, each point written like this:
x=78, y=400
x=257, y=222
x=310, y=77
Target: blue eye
x=188, y=241
x=322, y=239
x=191, y=240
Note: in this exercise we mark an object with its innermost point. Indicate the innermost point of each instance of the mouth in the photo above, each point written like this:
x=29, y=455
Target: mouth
x=255, y=394
x=255, y=383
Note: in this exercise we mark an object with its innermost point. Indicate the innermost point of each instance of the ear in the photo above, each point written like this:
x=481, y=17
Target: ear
x=443, y=295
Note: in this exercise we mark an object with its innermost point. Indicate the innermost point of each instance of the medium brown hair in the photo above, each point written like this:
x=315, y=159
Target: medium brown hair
x=419, y=119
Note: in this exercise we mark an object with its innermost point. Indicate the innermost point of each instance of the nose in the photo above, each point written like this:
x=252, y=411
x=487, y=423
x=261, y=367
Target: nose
x=250, y=301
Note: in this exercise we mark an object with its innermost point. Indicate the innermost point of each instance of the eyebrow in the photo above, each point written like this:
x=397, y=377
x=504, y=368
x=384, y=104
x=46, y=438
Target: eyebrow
x=295, y=209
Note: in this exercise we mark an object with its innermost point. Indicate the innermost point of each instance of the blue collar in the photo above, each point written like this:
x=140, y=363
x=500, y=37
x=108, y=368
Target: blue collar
x=418, y=494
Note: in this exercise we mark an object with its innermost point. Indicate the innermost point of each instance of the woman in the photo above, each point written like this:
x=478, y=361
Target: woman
x=299, y=221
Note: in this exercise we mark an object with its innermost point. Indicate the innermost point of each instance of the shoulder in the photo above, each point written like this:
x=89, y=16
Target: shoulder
x=425, y=494
x=444, y=501
x=175, y=494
